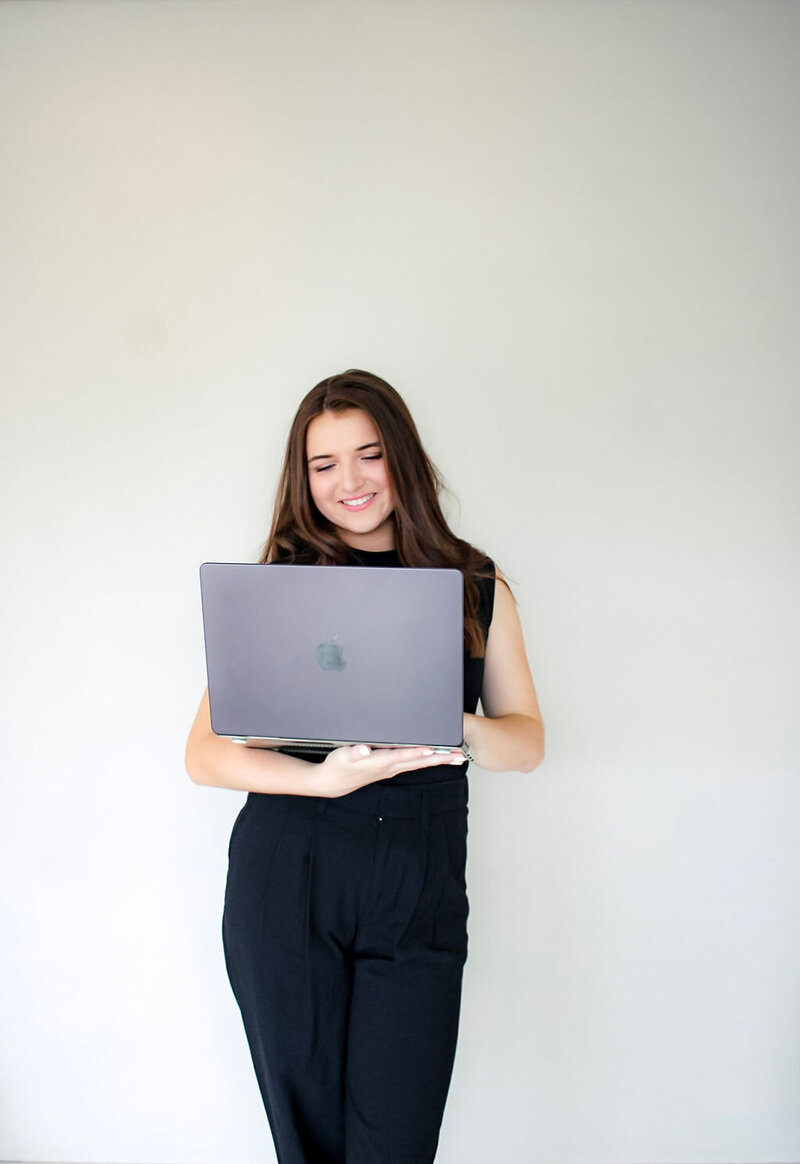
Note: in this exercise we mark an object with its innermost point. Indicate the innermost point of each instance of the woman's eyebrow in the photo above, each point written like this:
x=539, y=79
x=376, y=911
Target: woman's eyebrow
x=329, y=456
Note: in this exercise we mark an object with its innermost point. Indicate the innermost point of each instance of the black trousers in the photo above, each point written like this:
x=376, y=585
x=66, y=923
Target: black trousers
x=345, y=940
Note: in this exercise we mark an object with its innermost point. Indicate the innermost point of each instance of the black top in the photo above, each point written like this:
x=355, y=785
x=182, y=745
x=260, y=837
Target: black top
x=473, y=667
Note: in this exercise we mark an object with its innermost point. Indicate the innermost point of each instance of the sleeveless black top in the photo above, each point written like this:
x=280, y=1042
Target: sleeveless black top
x=473, y=667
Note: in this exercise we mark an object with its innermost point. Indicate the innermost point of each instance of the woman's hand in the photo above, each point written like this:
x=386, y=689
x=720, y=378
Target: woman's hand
x=345, y=769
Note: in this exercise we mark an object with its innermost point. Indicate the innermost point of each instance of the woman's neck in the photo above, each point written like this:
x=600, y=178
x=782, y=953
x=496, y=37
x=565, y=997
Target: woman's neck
x=378, y=541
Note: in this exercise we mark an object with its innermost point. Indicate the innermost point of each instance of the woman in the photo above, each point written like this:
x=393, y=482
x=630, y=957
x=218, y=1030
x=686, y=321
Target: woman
x=345, y=908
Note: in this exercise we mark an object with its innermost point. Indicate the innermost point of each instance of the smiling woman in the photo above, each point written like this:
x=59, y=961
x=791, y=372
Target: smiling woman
x=345, y=923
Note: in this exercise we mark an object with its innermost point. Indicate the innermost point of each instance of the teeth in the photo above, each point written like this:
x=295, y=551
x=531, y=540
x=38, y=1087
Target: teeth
x=359, y=500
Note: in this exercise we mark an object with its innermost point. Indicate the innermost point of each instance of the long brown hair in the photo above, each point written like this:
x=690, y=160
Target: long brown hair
x=301, y=534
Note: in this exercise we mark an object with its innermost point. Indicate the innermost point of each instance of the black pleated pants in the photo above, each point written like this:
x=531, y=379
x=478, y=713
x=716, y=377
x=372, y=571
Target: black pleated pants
x=345, y=941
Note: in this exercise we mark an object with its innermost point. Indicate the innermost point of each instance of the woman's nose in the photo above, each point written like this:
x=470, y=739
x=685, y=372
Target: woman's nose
x=351, y=477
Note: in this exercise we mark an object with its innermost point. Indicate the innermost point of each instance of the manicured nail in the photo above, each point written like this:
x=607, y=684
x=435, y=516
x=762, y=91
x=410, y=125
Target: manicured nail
x=427, y=751
x=363, y=750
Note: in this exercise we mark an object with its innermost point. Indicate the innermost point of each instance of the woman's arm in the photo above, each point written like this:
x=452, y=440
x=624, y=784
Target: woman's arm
x=211, y=759
x=509, y=736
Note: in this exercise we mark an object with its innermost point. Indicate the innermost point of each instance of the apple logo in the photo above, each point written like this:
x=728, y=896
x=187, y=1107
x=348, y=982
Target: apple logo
x=330, y=656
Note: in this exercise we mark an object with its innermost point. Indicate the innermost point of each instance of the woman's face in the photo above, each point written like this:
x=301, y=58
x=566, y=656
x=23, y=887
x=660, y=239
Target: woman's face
x=348, y=480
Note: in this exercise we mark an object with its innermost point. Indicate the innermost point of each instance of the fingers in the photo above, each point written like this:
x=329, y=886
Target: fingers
x=405, y=759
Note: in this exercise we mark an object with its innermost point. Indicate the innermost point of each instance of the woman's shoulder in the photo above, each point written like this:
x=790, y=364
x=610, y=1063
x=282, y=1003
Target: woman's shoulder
x=483, y=568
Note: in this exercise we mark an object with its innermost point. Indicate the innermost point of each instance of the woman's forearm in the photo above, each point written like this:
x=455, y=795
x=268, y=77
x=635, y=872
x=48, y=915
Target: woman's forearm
x=507, y=743
x=213, y=760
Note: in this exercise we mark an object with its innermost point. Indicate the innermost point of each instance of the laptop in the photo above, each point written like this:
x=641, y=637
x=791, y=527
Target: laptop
x=311, y=657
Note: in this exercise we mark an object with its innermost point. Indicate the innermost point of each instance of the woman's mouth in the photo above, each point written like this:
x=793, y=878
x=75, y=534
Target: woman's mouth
x=359, y=502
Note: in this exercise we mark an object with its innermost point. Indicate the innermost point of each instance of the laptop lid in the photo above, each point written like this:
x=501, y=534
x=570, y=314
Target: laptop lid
x=327, y=655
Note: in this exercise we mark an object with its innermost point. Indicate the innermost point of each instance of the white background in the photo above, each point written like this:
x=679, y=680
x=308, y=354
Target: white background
x=568, y=234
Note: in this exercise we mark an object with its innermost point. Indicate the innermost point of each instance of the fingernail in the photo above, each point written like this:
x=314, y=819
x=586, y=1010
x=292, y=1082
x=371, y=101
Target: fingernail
x=363, y=750
x=427, y=751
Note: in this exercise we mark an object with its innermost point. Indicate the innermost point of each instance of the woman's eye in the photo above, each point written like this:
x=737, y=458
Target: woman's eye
x=373, y=457
x=322, y=468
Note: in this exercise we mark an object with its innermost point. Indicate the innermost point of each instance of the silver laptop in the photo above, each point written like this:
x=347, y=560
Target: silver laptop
x=318, y=656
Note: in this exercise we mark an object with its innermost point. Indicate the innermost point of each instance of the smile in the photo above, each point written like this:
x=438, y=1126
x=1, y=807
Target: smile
x=359, y=502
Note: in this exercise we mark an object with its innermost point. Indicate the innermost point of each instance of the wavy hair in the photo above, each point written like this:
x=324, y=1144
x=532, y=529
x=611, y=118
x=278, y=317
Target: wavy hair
x=300, y=534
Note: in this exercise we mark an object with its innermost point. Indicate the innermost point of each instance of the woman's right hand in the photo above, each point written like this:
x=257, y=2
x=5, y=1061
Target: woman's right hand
x=345, y=769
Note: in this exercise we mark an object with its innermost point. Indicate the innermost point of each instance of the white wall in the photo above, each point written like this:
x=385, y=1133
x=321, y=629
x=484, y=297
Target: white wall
x=568, y=233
